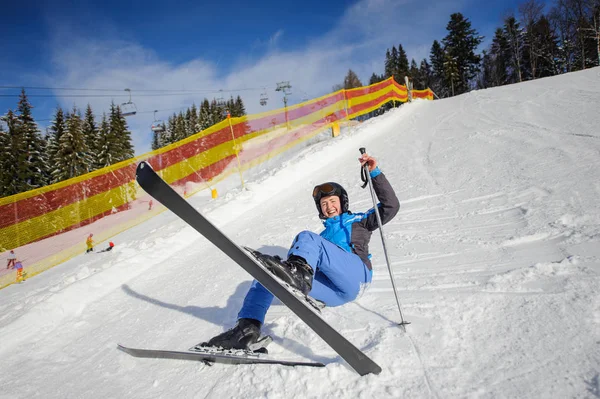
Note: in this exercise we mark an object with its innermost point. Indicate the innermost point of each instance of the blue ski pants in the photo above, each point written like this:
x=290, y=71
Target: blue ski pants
x=337, y=280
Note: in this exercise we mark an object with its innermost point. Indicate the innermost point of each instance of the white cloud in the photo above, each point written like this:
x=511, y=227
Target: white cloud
x=358, y=40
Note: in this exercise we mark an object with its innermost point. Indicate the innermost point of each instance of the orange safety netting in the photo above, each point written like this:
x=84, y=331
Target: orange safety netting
x=49, y=225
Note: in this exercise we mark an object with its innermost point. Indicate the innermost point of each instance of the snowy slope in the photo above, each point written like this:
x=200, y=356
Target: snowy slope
x=495, y=252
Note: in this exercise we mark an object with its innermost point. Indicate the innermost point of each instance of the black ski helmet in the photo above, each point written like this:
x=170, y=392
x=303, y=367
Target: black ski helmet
x=327, y=189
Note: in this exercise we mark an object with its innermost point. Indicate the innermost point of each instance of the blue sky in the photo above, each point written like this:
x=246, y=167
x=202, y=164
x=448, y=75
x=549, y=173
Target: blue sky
x=240, y=48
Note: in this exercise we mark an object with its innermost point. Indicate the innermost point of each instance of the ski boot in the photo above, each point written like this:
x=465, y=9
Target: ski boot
x=294, y=271
x=245, y=335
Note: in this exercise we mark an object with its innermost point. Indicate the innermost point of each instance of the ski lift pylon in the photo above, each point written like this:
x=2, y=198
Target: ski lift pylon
x=128, y=108
x=157, y=125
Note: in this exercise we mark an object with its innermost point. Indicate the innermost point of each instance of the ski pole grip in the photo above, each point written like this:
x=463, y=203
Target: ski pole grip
x=362, y=150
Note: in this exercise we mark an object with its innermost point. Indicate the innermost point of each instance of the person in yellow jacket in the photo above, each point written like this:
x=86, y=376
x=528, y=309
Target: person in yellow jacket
x=90, y=243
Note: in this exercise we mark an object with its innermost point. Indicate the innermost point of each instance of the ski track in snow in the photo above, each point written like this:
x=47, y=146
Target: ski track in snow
x=495, y=253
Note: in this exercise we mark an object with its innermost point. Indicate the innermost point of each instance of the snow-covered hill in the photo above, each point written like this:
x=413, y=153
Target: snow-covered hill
x=495, y=252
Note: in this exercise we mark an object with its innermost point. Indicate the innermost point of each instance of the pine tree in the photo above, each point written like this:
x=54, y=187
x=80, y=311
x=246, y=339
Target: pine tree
x=515, y=39
x=90, y=134
x=460, y=44
x=437, y=57
x=564, y=27
x=5, y=157
x=166, y=137
x=57, y=129
x=240, y=109
x=119, y=136
x=126, y=144
x=500, y=57
x=425, y=76
x=401, y=68
x=187, y=123
x=104, y=157
x=390, y=63
x=34, y=146
x=485, y=75
x=15, y=181
x=531, y=12
x=9, y=174
x=120, y=149
x=216, y=112
x=179, y=133
x=72, y=152
x=155, y=141
x=194, y=126
x=580, y=14
x=413, y=73
x=589, y=26
x=376, y=78
x=547, y=50
x=593, y=31
x=114, y=130
x=451, y=71
x=351, y=80
x=205, y=115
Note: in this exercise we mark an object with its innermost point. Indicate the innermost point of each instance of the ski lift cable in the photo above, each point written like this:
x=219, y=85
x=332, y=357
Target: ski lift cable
x=117, y=95
x=139, y=112
x=106, y=95
x=136, y=90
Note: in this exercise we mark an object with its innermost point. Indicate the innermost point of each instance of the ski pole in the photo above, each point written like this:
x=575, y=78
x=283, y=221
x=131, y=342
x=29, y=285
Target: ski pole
x=387, y=259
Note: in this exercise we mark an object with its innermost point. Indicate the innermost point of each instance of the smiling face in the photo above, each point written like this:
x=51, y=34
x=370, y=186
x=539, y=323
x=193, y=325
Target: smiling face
x=331, y=206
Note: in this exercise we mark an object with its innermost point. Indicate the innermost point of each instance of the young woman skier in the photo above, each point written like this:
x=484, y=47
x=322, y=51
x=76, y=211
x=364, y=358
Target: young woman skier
x=330, y=267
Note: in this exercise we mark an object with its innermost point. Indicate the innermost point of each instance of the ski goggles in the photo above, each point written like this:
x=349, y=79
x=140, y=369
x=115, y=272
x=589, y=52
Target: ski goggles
x=325, y=190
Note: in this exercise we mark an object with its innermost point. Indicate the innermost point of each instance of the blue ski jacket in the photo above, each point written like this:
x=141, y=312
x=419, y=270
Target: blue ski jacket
x=352, y=231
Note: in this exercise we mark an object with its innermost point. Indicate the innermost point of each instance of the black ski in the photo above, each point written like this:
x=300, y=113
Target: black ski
x=210, y=357
x=160, y=190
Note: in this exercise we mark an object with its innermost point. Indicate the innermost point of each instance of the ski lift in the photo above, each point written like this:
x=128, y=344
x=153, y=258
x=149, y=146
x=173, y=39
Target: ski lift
x=157, y=125
x=304, y=97
x=220, y=101
x=264, y=98
x=128, y=108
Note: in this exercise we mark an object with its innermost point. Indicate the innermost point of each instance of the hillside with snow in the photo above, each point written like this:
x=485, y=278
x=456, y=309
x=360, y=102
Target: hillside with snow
x=495, y=253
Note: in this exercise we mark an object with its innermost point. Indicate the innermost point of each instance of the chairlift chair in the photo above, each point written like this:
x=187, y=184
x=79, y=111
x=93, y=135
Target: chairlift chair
x=128, y=108
x=220, y=100
x=157, y=125
x=263, y=98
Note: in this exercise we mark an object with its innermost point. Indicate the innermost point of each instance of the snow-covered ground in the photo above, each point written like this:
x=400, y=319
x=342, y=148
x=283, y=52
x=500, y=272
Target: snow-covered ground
x=495, y=252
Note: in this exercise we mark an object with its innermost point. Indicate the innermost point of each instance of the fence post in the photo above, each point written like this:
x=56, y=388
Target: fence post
x=335, y=129
x=408, y=88
x=345, y=105
x=236, y=149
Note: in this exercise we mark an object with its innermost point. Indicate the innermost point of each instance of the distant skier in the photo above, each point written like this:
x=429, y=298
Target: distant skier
x=11, y=259
x=90, y=243
x=20, y=275
x=331, y=267
x=110, y=247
